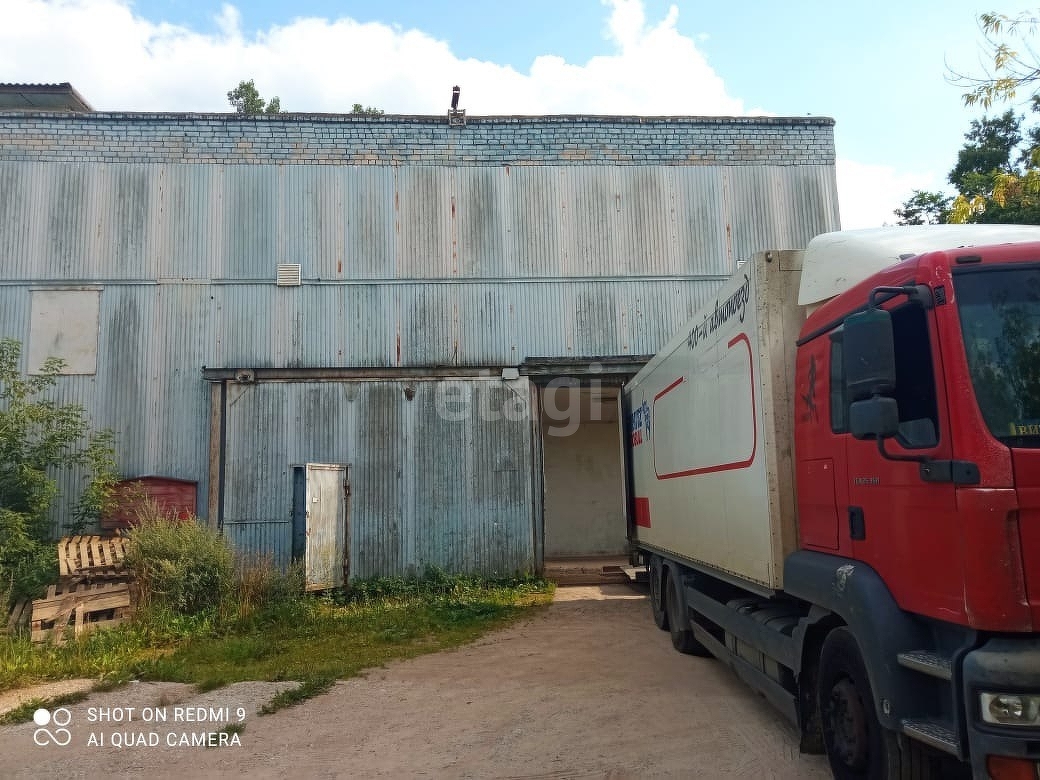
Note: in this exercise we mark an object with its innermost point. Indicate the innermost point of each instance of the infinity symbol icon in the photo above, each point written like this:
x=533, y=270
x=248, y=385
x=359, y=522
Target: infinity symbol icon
x=60, y=736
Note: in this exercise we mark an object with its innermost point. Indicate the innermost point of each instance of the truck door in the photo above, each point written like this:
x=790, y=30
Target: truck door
x=895, y=520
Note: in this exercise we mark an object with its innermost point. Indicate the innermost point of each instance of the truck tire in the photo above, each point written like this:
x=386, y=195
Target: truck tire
x=858, y=747
x=678, y=621
x=657, y=597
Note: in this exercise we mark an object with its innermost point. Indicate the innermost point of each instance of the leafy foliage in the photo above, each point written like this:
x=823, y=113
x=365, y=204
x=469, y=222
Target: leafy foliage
x=1012, y=61
x=996, y=177
x=180, y=565
x=245, y=99
x=366, y=110
x=39, y=435
x=996, y=174
x=925, y=208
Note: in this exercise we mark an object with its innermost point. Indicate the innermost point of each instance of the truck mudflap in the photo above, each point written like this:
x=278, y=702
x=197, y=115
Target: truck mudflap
x=856, y=593
x=1009, y=666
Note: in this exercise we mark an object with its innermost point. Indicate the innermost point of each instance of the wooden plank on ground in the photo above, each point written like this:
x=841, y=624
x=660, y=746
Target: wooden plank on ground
x=93, y=556
x=19, y=614
x=97, y=597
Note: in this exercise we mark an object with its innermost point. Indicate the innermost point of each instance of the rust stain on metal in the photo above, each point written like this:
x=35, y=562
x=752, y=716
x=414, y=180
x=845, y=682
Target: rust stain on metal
x=454, y=240
x=339, y=266
x=398, y=347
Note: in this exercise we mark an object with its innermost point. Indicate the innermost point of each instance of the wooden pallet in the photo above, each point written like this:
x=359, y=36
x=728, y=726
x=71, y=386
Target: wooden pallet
x=19, y=616
x=91, y=556
x=83, y=605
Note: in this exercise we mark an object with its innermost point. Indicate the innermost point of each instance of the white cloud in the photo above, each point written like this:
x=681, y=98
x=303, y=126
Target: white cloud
x=868, y=194
x=121, y=61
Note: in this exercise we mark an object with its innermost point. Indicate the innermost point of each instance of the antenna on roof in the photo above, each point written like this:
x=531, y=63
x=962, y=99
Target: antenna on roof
x=456, y=116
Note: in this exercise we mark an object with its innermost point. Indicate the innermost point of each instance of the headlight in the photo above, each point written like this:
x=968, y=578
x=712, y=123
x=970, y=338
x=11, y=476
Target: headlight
x=1011, y=709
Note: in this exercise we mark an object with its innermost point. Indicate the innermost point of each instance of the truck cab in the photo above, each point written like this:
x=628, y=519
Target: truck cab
x=836, y=491
x=917, y=440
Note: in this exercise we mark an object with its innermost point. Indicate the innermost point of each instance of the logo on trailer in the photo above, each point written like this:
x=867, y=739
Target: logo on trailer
x=639, y=424
x=734, y=306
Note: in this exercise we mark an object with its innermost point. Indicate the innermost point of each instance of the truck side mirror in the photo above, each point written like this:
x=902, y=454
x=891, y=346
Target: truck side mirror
x=874, y=418
x=870, y=363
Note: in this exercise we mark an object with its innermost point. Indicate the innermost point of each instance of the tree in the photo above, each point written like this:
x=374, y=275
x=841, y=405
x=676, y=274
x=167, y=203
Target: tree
x=925, y=208
x=1014, y=61
x=367, y=110
x=990, y=148
x=38, y=436
x=996, y=173
x=246, y=100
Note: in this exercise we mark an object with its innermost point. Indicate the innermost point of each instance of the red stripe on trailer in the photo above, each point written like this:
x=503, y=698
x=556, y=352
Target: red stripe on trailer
x=671, y=387
x=743, y=464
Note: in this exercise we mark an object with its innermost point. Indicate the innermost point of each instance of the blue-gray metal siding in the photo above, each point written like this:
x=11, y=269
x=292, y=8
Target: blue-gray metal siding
x=516, y=237
x=425, y=490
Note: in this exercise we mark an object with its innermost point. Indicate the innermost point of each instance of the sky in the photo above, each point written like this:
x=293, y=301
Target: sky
x=879, y=69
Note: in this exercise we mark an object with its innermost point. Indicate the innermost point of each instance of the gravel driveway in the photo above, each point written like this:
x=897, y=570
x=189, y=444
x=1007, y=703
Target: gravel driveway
x=587, y=688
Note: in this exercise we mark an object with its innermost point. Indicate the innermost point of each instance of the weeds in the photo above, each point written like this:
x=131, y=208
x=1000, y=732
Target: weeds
x=180, y=566
x=24, y=712
x=283, y=634
x=293, y=696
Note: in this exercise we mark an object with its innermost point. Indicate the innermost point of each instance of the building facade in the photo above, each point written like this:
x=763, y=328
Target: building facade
x=449, y=310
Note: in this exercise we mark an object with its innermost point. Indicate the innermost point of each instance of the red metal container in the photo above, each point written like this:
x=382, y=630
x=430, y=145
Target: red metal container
x=174, y=496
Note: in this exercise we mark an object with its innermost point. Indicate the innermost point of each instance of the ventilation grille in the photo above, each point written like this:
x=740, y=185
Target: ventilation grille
x=289, y=275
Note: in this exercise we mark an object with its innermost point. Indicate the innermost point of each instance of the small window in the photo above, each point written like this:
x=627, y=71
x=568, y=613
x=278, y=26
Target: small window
x=64, y=324
x=915, y=379
x=839, y=406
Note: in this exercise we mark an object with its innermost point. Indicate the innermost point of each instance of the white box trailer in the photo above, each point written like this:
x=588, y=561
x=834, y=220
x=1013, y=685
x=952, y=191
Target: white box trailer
x=712, y=473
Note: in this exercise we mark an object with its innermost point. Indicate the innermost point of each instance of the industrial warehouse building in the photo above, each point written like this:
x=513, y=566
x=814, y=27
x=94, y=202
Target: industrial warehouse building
x=420, y=304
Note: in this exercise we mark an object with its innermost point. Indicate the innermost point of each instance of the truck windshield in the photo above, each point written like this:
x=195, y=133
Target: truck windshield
x=999, y=309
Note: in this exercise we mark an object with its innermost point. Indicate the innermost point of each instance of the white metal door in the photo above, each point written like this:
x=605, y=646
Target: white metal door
x=325, y=556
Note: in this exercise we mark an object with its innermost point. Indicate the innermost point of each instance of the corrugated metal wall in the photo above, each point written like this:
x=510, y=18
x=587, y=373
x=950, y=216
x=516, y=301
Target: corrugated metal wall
x=99, y=222
x=428, y=488
x=403, y=267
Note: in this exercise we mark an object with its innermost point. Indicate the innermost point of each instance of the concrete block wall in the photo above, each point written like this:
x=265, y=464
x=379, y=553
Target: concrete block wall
x=335, y=139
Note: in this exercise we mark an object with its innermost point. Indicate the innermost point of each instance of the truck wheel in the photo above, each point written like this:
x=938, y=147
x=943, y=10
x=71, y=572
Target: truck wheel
x=858, y=747
x=679, y=622
x=657, y=600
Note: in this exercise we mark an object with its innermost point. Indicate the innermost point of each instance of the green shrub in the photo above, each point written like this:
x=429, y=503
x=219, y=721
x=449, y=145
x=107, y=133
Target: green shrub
x=180, y=565
x=39, y=436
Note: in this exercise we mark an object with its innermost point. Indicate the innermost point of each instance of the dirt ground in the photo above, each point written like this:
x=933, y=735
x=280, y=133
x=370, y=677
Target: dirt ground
x=589, y=688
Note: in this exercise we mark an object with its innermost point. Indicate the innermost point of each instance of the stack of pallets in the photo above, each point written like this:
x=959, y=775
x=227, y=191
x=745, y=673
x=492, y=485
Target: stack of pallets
x=93, y=589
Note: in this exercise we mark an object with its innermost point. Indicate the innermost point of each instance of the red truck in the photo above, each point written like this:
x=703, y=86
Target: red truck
x=834, y=481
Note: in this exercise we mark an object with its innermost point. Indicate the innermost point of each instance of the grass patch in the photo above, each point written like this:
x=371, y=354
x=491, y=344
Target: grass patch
x=312, y=639
x=306, y=690
x=23, y=713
